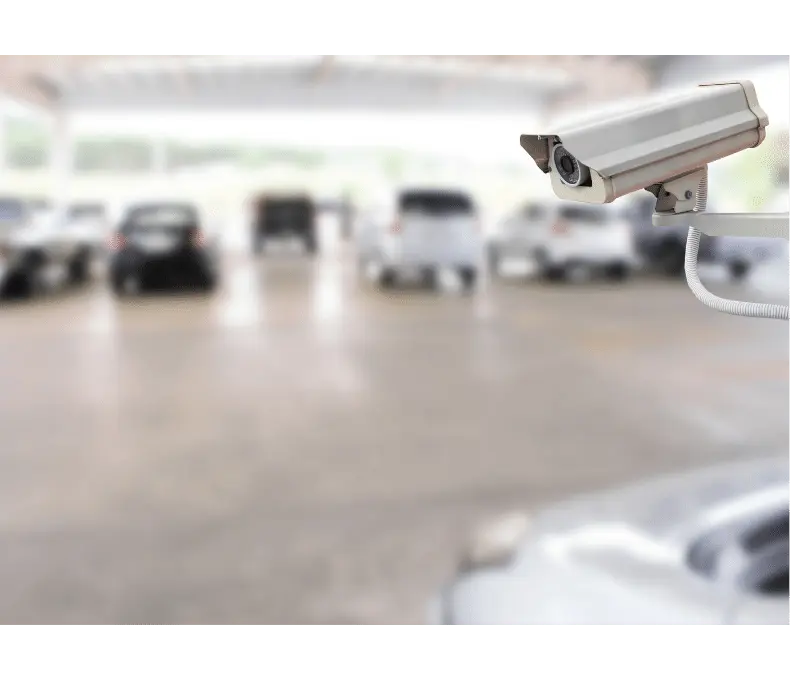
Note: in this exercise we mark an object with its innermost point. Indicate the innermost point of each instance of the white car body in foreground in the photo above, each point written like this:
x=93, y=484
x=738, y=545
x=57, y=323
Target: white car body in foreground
x=421, y=231
x=37, y=251
x=560, y=236
x=669, y=551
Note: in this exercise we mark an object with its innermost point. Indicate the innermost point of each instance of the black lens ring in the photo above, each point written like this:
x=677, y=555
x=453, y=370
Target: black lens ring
x=561, y=158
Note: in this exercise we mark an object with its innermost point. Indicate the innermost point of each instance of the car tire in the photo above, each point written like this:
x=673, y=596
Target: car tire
x=468, y=276
x=430, y=278
x=555, y=273
x=672, y=257
x=79, y=268
x=493, y=260
x=738, y=270
x=387, y=278
x=29, y=283
x=617, y=272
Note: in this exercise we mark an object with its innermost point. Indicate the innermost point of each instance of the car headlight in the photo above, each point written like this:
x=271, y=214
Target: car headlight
x=494, y=544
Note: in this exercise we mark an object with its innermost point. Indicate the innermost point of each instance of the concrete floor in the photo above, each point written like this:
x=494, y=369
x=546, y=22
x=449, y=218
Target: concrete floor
x=303, y=448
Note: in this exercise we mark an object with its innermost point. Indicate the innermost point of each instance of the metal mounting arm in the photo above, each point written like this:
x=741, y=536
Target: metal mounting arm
x=762, y=225
x=680, y=202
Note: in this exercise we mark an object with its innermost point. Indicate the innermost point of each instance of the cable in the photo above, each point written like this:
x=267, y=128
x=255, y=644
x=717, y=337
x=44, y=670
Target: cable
x=736, y=307
x=752, y=309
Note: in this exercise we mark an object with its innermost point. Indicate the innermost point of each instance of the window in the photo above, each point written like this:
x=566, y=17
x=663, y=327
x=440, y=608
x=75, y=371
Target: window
x=435, y=202
x=773, y=530
x=759, y=545
x=161, y=217
x=775, y=584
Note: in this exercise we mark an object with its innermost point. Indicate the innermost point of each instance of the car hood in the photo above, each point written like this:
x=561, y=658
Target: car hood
x=619, y=556
x=671, y=507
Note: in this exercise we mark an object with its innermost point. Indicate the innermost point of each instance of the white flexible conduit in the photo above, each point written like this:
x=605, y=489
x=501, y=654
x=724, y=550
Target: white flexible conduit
x=752, y=309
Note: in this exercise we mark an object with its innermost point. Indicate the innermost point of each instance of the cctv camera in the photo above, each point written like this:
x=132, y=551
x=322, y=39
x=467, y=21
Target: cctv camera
x=649, y=142
x=664, y=145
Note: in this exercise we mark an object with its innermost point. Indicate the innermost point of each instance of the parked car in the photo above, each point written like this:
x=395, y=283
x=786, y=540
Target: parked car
x=89, y=223
x=163, y=244
x=561, y=237
x=284, y=216
x=422, y=231
x=662, y=249
x=36, y=252
x=708, y=546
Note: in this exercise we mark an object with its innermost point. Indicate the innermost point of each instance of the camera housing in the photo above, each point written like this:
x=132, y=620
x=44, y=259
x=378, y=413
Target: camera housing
x=649, y=141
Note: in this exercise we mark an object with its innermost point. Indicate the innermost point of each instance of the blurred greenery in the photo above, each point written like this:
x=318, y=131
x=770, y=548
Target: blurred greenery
x=754, y=178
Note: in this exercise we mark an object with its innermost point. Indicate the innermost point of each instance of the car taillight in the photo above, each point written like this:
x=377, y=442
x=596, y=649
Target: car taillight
x=117, y=241
x=198, y=238
x=560, y=228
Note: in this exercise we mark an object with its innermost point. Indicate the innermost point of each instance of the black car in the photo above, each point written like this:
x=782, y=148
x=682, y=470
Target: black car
x=163, y=245
x=282, y=217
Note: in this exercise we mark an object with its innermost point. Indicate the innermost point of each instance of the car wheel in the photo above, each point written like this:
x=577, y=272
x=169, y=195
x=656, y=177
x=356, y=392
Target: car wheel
x=493, y=260
x=738, y=270
x=30, y=279
x=672, y=257
x=387, y=279
x=430, y=278
x=555, y=273
x=468, y=276
x=209, y=285
x=79, y=268
x=617, y=272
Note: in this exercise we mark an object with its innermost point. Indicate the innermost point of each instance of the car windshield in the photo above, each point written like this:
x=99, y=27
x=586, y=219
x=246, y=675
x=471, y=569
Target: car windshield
x=283, y=208
x=77, y=212
x=161, y=217
x=584, y=213
x=435, y=202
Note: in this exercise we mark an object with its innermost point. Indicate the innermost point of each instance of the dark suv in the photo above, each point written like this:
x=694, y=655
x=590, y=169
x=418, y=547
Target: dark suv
x=282, y=217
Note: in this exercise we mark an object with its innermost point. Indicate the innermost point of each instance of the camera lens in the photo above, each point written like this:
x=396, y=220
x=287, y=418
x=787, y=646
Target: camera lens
x=571, y=172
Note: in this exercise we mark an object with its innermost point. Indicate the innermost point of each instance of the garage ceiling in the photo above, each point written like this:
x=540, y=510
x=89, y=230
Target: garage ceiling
x=426, y=83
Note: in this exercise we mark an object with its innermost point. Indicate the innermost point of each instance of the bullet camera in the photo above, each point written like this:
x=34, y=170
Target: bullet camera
x=664, y=144
x=649, y=142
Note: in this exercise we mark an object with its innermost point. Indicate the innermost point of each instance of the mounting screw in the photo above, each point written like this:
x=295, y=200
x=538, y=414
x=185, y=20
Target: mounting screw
x=688, y=195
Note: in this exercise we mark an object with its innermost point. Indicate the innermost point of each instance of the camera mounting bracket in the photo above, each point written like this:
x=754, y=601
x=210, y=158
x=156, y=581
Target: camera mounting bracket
x=680, y=202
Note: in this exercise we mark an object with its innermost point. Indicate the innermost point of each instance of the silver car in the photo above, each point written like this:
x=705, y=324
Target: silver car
x=709, y=546
x=37, y=251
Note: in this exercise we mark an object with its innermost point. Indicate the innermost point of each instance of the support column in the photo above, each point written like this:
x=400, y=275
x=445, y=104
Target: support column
x=61, y=162
x=159, y=159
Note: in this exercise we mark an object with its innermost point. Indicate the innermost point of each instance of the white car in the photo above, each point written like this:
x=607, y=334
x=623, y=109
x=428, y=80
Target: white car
x=422, y=231
x=710, y=546
x=36, y=251
x=563, y=237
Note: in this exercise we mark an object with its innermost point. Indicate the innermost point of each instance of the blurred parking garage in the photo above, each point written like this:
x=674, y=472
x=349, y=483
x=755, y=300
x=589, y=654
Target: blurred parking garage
x=301, y=446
